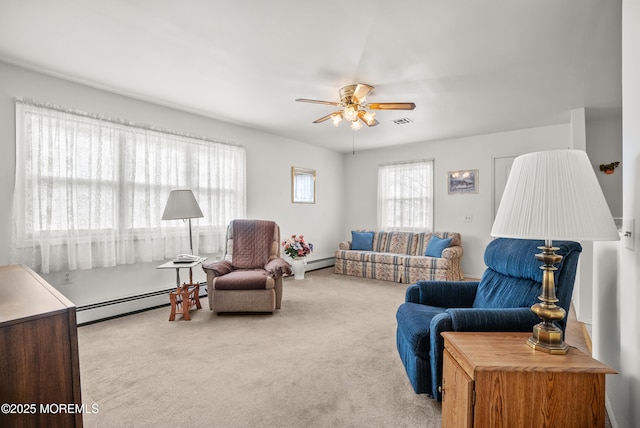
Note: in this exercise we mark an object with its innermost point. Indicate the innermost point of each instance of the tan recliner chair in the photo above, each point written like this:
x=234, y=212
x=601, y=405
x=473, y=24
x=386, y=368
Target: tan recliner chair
x=249, y=278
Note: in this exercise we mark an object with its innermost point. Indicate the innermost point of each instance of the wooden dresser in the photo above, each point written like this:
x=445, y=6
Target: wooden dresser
x=493, y=380
x=39, y=367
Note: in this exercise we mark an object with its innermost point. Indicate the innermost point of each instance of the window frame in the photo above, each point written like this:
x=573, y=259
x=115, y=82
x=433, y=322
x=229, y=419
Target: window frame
x=403, y=200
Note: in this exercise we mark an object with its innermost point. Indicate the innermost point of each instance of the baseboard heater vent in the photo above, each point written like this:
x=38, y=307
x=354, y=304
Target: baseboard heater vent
x=115, y=308
x=320, y=263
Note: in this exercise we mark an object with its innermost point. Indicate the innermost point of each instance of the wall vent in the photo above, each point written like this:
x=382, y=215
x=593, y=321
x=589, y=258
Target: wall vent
x=403, y=121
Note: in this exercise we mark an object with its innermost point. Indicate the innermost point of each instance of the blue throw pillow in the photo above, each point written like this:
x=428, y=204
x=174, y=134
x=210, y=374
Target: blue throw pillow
x=362, y=241
x=436, y=245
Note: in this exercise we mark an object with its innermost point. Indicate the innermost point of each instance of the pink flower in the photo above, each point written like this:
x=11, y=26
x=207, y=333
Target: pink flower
x=296, y=247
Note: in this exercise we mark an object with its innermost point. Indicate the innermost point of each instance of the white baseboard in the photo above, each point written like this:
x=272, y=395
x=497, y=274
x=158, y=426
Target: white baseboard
x=607, y=405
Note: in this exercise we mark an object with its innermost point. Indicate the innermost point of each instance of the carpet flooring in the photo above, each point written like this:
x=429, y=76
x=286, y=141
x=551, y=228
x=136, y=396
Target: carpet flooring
x=326, y=359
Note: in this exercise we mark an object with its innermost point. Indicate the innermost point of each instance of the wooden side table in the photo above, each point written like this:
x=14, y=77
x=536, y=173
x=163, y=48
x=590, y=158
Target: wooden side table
x=186, y=296
x=497, y=380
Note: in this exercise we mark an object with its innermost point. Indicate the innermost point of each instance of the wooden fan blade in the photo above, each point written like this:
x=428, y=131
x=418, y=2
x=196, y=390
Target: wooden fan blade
x=391, y=106
x=363, y=116
x=305, y=100
x=327, y=117
x=361, y=92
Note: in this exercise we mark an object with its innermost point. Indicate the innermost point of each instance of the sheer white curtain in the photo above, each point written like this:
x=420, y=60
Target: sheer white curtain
x=405, y=196
x=90, y=191
x=304, y=187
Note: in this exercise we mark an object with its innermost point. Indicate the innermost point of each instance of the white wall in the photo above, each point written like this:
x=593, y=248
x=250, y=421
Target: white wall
x=616, y=341
x=475, y=152
x=269, y=161
x=604, y=145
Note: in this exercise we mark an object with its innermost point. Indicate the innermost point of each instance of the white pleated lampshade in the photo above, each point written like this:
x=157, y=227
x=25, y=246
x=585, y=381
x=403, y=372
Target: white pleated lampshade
x=554, y=195
x=180, y=205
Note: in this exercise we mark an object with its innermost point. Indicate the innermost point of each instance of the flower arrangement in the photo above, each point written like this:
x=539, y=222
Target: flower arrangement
x=297, y=247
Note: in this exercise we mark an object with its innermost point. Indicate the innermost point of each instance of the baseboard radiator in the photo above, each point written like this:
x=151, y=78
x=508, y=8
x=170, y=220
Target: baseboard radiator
x=320, y=263
x=89, y=314
x=108, y=309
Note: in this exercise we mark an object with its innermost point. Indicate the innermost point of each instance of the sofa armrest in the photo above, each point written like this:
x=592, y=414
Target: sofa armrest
x=454, y=252
x=439, y=323
x=492, y=319
x=472, y=319
x=278, y=267
x=219, y=267
x=344, y=245
x=443, y=294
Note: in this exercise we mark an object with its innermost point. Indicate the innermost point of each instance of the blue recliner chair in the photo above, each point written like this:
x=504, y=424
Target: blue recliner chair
x=501, y=301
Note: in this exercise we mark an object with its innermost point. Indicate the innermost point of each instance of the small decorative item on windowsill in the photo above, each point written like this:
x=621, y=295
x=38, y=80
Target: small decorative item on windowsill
x=296, y=248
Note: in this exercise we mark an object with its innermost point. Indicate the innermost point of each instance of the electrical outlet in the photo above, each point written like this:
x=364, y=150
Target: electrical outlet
x=468, y=218
x=629, y=233
x=66, y=278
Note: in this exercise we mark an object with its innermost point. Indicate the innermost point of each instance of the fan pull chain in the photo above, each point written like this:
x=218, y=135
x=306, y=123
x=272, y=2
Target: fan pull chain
x=353, y=141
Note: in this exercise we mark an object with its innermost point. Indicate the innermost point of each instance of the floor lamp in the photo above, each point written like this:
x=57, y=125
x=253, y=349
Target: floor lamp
x=182, y=205
x=553, y=195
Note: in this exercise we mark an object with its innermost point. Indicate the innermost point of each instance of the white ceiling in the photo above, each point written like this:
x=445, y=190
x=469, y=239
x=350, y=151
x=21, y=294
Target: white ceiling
x=471, y=67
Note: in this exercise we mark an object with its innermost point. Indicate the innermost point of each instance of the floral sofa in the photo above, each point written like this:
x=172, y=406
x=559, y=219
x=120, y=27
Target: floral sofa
x=405, y=257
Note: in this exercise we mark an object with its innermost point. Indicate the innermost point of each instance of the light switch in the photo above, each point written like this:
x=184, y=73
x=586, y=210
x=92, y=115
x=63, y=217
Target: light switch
x=629, y=233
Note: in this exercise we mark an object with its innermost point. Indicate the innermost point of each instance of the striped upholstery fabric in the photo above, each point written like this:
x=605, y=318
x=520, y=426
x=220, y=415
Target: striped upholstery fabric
x=423, y=240
x=400, y=243
x=399, y=257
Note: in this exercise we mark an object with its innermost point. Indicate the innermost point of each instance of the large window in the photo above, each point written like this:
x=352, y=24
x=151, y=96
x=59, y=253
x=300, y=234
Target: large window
x=90, y=191
x=405, y=196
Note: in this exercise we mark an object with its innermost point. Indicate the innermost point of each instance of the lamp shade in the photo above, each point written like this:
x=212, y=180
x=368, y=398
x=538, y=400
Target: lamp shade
x=180, y=205
x=554, y=195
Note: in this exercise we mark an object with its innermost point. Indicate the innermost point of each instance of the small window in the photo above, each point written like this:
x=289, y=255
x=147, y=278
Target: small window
x=303, y=185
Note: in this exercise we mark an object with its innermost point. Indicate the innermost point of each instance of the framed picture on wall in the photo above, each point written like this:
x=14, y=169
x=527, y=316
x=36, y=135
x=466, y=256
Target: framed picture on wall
x=463, y=182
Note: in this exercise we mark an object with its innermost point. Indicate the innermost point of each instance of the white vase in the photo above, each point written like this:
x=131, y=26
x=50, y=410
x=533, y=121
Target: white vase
x=298, y=267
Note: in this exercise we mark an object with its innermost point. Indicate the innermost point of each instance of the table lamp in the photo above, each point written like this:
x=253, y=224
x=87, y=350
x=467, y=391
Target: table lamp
x=182, y=205
x=553, y=195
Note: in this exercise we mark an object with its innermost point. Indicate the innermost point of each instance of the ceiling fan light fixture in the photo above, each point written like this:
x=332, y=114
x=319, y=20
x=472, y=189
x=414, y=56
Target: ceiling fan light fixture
x=369, y=117
x=350, y=113
x=354, y=107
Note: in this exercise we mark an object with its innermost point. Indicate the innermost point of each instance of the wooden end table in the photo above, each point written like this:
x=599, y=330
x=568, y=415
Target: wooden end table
x=186, y=296
x=497, y=380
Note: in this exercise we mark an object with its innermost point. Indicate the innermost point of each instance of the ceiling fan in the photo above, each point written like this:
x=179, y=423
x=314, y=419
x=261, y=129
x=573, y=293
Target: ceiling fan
x=354, y=106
